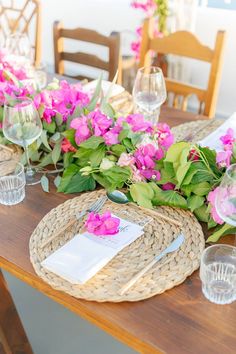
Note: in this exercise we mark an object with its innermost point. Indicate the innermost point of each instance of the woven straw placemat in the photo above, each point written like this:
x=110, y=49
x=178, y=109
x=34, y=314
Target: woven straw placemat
x=195, y=131
x=10, y=152
x=106, y=284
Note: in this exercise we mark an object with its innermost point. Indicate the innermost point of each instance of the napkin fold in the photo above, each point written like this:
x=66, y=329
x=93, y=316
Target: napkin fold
x=85, y=254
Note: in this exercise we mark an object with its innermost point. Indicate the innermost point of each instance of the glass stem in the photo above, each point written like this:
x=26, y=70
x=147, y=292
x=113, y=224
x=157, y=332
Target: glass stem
x=29, y=170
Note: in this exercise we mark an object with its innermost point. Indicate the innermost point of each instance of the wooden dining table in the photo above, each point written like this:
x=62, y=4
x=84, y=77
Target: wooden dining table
x=179, y=321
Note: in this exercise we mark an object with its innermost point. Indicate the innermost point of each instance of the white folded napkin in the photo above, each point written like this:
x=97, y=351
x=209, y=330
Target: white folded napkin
x=116, y=90
x=84, y=255
x=213, y=139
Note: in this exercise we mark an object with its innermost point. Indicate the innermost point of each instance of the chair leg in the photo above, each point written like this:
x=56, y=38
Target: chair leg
x=13, y=338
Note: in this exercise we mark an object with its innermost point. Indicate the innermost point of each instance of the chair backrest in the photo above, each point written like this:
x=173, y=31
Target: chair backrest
x=90, y=36
x=185, y=44
x=22, y=17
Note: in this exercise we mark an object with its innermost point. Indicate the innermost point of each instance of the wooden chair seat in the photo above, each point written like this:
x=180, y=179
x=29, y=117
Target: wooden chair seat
x=186, y=44
x=112, y=42
x=22, y=17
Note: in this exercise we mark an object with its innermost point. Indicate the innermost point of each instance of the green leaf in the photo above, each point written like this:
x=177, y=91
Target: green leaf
x=56, y=152
x=44, y=139
x=96, y=95
x=181, y=172
x=70, y=135
x=59, y=119
x=68, y=159
x=108, y=110
x=102, y=180
x=175, y=151
x=128, y=144
x=92, y=143
x=123, y=134
x=118, y=149
x=97, y=155
x=210, y=156
x=170, y=198
x=202, y=173
x=211, y=223
x=57, y=181
x=46, y=160
x=51, y=128
x=201, y=189
x=45, y=183
x=67, y=176
x=116, y=176
x=202, y=213
x=221, y=231
x=79, y=183
x=142, y=194
x=56, y=137
x=195, y=202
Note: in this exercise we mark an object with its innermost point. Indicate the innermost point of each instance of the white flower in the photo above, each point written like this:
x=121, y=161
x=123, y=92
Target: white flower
x=106, y=164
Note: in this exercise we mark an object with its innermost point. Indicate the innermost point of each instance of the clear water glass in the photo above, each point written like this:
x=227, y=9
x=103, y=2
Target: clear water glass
x=12, y=182
x=226, y=197
x=18, y=45
x=149, y=92
x=22, y=126
x=218, y=274
x=41, y=75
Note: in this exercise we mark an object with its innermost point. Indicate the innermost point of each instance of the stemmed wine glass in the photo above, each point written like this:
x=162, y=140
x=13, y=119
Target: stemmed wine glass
x=22, y=126
x=149, y=92
x=18, y=45
x=226, y=197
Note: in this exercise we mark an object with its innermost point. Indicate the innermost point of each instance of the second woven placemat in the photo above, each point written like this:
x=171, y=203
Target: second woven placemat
x=196, y=130
x=106, y=284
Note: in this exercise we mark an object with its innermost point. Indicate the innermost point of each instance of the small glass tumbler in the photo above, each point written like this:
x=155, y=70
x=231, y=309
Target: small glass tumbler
x=12, y=182
x=218, y=274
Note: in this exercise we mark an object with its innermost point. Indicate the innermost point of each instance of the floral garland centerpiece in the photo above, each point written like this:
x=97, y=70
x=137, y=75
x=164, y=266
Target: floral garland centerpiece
x=93, y=145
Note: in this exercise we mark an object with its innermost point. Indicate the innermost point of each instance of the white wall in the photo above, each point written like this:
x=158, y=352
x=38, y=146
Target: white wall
x=108, y=15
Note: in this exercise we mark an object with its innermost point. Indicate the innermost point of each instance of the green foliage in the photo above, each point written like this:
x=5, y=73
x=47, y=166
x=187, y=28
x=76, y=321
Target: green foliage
x=142, y=193
x=170, y=198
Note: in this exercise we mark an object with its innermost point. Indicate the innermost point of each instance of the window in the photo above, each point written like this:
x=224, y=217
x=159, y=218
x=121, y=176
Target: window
x=220, y=4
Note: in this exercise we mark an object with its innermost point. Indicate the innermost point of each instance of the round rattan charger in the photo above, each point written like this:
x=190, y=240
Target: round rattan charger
x=107, y=283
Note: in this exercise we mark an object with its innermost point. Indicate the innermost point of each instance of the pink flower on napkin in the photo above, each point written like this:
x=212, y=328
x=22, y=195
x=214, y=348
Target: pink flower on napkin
x=104, y=224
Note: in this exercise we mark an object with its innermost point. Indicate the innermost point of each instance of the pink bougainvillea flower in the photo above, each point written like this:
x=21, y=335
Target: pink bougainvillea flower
x=111, y=137
x=100, y=122
x=126, y=160
x=82, y=129
x=164, y=135
x=212, y=200
x=228, y=138
x=66, y=146
x=104, y=224
x=223, y=158
x=168, y=186
x=145, y=159
x=138, y=123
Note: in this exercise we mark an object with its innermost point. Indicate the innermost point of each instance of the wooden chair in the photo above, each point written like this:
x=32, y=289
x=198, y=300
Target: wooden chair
x=23, y=17
x=90, y=36
x=183, y=43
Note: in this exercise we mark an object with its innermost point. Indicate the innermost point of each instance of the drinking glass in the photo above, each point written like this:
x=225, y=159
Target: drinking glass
x=22, y=126
x=18, y=45
x=218, y=274
x=149, y=92
x=12, y=182
x=41, y=75
x=226, y=197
